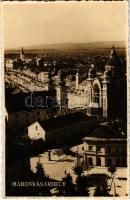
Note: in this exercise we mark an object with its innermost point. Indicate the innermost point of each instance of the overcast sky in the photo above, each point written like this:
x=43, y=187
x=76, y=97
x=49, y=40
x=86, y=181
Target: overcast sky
x=46, y=23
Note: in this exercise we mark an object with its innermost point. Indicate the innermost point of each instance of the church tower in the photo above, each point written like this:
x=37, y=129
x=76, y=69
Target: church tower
x=77, y=80
x=91, y=76
x=108, y=94
x=114, y=64
x=61, y=92
x=113, y=73
x=48, y=82
x=22, y=54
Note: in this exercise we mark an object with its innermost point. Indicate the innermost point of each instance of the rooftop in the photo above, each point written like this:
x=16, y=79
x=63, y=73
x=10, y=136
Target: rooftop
x=29, y=101
x=64, y=121
x=106, y=132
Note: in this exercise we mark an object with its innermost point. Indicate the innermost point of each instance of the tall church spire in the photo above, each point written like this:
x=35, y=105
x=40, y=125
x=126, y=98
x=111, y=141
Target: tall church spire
x=114, y=64
x=22, y=54
x=60, y=80
x=77, y=80
x=92, y=72
x=112, y=57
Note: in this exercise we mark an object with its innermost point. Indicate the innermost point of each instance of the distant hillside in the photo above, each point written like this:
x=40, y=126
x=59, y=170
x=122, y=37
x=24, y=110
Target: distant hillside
x=79, y=45
x=74, y=46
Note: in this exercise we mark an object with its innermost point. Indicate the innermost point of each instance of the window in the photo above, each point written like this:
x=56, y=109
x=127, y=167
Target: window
x=38, y=113
x=124, y=162
x=36, y=127
x=98, y=161
x=109, y=150
x=109, y=162
x=118, y=162
x=117, y=150
x=90, y=148
x=98, y=148
x=16, y=115
x=96, y=93
x=90, y=161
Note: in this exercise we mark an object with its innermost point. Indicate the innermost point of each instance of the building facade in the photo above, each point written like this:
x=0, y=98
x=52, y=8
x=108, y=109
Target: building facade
x=105, y=147
x=62, y=129
x=24, y=109
x=102, y=92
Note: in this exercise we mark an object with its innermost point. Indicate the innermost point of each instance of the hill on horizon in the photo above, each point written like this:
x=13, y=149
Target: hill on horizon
x=74, y=46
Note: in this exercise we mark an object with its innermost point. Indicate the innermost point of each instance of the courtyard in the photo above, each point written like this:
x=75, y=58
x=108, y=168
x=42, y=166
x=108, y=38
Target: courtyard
x=61, y=164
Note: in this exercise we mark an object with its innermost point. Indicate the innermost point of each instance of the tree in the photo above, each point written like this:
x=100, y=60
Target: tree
x=78, y=170
x=112, y=169
x=85, y=165
x=97, y=191
x=102, y=190
x=81, y=186
x=105, y=189
x=40, y=172
x=41, y=176
x=69, y=188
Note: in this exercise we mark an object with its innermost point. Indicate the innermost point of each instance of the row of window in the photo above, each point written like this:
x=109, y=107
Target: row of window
x=118, y=162
x=91, y=148
x=109, y=149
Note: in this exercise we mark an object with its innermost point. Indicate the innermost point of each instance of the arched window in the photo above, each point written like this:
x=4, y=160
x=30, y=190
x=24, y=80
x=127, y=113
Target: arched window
x=90, y=161
x=98, y=161
x=109, y=162
x=95, y=93
x=118, y=162
x=124, y=162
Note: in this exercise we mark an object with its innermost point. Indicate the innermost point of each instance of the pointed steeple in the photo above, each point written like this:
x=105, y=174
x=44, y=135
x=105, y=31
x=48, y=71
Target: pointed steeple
x=77, y=80
x=113, y=58
x=22, y=51
x=60, y=80
x=114, y=65
x=92, y=72
x=22, y=54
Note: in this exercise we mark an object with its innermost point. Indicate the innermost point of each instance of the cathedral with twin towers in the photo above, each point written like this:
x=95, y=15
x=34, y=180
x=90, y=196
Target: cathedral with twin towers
x=106, y=94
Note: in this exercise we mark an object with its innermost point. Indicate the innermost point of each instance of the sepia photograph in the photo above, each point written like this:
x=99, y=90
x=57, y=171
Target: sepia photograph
x=65, y=78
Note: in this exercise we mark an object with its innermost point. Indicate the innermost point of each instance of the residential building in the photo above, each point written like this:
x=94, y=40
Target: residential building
x=66, y=128
x=106, y=146
x=26, y=108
